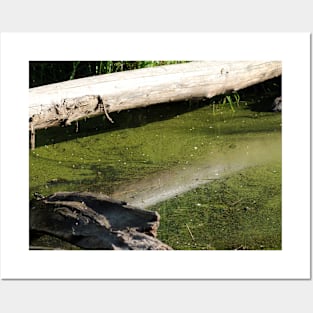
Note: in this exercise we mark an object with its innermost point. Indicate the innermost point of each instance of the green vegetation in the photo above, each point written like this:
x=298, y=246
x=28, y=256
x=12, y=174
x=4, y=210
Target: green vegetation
x=242, y=211
x=100, y=157
x=42, y=73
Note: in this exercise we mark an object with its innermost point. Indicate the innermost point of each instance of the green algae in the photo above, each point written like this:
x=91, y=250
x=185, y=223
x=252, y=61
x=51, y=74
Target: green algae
x=242, y=211
x=100, y=161
x=103, y=157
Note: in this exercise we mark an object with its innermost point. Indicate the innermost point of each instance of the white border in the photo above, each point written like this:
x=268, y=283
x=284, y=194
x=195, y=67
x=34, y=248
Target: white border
x=293, y=262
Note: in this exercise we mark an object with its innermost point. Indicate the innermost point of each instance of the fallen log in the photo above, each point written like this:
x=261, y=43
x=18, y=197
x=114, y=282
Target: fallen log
x=95, y=221
x=63, y=103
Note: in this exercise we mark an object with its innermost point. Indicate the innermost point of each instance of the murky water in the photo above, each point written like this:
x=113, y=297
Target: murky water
x=154, y=154
x=164, y=185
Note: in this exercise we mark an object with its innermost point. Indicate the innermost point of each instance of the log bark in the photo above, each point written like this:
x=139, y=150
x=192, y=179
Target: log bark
x=62, y=103
x=95, y=221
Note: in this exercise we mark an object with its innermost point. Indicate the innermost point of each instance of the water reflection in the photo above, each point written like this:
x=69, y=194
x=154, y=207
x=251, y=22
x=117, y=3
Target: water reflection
x=165, y=185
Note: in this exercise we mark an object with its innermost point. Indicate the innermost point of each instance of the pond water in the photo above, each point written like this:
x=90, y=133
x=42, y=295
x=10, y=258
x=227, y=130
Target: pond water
x=169, y=183
x=154, y=154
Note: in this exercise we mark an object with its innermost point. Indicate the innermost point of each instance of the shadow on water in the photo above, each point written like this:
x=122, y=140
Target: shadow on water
x=259, y=98
x=122, y=120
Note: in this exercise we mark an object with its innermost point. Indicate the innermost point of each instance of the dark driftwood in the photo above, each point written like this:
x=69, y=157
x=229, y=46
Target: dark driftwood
x=94, y=221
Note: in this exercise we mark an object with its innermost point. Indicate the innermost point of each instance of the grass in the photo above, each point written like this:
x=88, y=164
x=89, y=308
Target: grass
x=42, y=73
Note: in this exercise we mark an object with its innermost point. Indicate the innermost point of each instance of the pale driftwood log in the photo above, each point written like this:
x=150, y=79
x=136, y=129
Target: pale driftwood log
x=95, y=221
x=62, y=103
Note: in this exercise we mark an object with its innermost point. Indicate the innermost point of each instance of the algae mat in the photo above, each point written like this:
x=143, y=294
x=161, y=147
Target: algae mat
x=158, y=153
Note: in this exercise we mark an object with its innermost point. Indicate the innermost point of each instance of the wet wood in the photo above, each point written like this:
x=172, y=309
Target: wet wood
x=95, y=221
x=63, y=103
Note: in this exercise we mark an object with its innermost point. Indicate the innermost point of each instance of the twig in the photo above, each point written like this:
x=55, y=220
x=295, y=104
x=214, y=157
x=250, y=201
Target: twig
x=43, y=248
x=191, y=235
x=102, y=106
x=207, y=179
x=107, y=115
x=236, y=202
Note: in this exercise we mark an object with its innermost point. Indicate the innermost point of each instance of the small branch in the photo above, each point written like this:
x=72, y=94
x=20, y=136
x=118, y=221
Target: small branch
x=43, y=248
x=191, y=235
x=107, y=115
x=236, y=202
x=103, y=108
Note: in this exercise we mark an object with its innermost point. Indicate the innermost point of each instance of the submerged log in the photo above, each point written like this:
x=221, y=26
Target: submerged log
x=95, y=221
x=62, y=103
